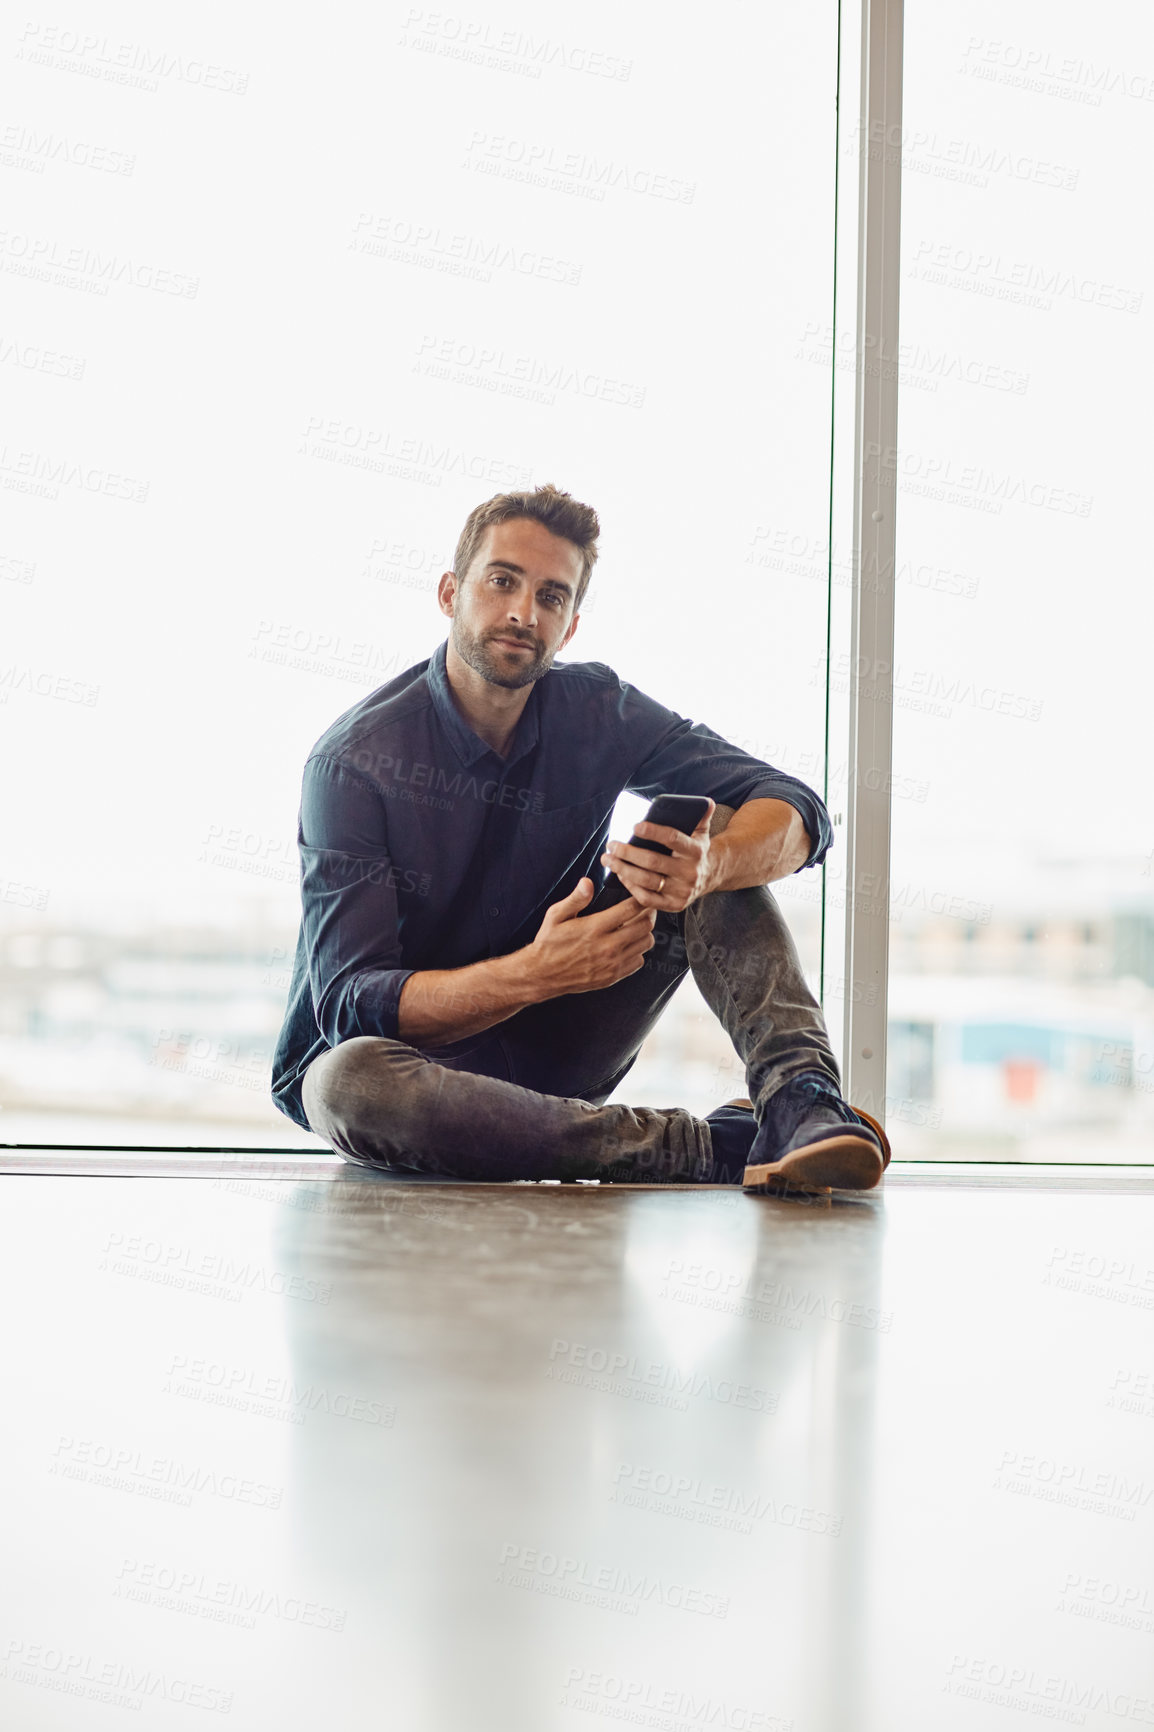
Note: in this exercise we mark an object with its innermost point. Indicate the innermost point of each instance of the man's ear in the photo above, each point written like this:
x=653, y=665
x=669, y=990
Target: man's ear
x=573, y=623
x=446, y=591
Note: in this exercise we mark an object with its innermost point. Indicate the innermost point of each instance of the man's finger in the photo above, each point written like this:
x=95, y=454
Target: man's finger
x=622, y=913
x=645, y=860
x=639, y=945
x=609, y=919
x=663, y=878
x=571, y=904
x=674, y=840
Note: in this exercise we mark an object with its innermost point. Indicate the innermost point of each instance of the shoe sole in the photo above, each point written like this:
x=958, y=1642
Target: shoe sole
x=836, y=1163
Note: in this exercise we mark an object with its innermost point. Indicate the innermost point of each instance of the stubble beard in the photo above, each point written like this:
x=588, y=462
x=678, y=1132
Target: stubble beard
x=487, y=660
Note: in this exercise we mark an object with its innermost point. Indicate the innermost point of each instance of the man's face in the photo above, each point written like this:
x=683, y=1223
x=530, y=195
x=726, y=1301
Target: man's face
x=512, y=611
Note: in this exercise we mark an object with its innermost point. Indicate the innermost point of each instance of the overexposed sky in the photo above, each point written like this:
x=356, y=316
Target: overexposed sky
x=274, y=329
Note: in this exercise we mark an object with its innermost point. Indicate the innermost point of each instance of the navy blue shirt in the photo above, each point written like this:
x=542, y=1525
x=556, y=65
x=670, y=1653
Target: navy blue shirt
x=422, y=848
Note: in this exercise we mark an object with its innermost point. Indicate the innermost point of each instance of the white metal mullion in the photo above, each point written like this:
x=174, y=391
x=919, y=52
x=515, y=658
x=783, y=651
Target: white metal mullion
x=870, y=754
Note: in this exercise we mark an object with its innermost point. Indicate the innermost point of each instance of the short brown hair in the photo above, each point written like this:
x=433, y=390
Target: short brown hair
x=547, y=505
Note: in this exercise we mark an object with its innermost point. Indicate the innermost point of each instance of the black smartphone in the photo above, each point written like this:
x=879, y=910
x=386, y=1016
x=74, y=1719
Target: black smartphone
x=682, y=812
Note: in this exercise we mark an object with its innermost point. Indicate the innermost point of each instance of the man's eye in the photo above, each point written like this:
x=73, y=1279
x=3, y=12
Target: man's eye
x=554, y=600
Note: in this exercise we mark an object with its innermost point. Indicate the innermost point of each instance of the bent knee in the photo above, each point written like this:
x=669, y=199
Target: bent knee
x=346, y=1077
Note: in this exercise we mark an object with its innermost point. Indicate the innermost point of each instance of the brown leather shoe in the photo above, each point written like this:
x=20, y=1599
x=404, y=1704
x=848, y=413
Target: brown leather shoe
x=834, y=1158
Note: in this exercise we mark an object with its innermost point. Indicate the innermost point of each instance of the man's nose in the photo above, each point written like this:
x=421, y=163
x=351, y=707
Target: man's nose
x=523, y=610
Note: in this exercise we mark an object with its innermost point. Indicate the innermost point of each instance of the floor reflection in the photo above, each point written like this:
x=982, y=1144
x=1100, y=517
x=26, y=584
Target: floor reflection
x=632, y=1444
x=528, y=1458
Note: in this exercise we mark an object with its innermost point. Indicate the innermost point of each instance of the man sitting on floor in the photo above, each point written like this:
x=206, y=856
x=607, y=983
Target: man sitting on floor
x=453, y=1009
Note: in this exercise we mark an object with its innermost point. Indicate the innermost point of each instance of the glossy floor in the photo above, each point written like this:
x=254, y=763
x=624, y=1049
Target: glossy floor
x=344, y=1452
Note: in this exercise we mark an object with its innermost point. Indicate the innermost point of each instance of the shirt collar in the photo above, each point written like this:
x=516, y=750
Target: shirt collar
x=469, y=746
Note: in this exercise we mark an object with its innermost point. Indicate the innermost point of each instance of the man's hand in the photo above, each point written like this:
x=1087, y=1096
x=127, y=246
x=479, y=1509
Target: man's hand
x=572, y=955
x=668, y=882
x=440, y=1005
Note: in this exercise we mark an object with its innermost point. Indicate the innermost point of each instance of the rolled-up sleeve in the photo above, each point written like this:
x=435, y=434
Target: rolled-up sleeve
x=689, y=758
x=349, y=904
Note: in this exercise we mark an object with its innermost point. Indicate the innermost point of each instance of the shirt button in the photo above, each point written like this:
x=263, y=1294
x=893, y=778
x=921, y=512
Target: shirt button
x=494, y=911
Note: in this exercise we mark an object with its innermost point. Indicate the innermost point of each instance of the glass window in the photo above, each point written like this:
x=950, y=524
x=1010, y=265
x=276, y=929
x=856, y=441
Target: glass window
x=1023, y=818
x=272, y=333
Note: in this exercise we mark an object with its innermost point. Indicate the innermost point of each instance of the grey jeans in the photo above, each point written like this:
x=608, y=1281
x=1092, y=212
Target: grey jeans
x=524, y=1099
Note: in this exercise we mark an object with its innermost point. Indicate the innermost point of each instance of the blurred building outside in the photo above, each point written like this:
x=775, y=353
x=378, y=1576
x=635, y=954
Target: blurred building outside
x=1011, y=1038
